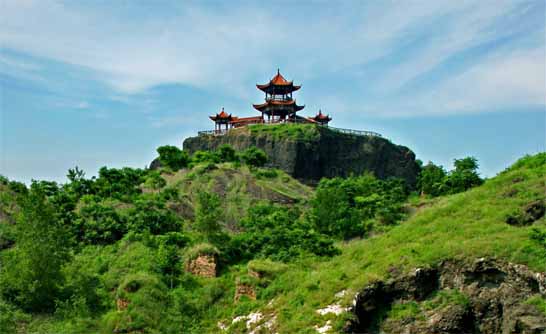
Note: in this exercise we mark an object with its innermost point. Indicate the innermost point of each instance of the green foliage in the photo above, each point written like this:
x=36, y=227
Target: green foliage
x=343, y=207
x=172, y=157
x=306, y=132
x=9, y=317
x=431, y=180
x=145, y=297
x=528, y=162
x=204, y=157
x=254, y=157
x=464, y=176
x=121, y=184
x=200, y=249
x=98, y=221
x=267, y=268
x=208, y=215
x=279, y=234
x=226, y=153
x=538, y=301
x=434, y=181
x=31, y=277
x=155, y=181
x=149, y=214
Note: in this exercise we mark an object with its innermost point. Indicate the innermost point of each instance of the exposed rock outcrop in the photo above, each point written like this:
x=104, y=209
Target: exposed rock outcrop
x=326, y=154
x=496, y=293
x=243, y=289
x=203, y=265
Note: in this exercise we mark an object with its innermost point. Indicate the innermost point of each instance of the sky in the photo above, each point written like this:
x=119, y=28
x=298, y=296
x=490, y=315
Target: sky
x=104, y=83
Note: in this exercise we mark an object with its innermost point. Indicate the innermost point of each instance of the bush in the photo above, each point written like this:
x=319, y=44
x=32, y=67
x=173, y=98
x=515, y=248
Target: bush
x=342, y=207
x=279, y=234
x=172, y=157
x=254, y=157
x=30, y=275
x=226, y=153
x=98, y=222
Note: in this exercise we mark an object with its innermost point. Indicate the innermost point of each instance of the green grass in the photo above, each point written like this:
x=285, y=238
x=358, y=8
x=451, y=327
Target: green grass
x=238, y=187
x=539, y=302
x=462, y=226
x=306, y=132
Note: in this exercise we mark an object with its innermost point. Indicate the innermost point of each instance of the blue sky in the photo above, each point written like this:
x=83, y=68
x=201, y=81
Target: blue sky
x=93, y=83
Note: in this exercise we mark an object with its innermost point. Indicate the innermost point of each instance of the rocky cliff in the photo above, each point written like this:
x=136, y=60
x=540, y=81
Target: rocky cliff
x=309, y=152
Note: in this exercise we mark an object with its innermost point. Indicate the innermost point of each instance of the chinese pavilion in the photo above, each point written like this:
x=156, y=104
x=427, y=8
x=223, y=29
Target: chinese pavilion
x=221, y=119
x=321, y=119
x=279, y=107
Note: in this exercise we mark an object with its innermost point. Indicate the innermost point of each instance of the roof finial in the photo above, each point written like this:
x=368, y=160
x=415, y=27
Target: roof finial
x=278, y=71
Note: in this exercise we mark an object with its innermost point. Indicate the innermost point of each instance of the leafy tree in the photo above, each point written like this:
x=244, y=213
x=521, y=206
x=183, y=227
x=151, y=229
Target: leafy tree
x=279, y=234
x=205, y=156
x=431, y=180
x=98, y=222
x=226, y=153
x=31, y=275
x=149, y=214
x=464, y=176
x=342, y=207
x=208, y=216
x=254, y=157
x=172, y=157
x=168, y=255
x=119, y=183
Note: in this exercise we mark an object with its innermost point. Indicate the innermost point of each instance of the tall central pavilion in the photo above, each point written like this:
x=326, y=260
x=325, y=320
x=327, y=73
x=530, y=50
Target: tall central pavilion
x=279, y=107
x=279, y=104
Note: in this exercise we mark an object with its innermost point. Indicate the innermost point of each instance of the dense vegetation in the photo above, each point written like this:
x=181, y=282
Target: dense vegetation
x=107, y=253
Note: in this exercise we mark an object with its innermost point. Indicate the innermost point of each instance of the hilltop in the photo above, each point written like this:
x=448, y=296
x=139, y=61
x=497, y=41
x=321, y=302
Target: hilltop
x=310, y=152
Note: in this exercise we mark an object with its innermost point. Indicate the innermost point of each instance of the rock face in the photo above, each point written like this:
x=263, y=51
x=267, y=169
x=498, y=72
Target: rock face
x=494, y=293
x=243, y=289
x=328, y=154
x=203, y=265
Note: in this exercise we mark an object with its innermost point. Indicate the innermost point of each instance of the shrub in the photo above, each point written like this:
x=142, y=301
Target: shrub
x=254, y=157
x=98, y=222
x=204, y=156
x=279, y=234
x=343, y=206
x=200, y=249
x=172, y=157
x=226, y=153
x=30, y=275
x=155, y=181
x=208, y=215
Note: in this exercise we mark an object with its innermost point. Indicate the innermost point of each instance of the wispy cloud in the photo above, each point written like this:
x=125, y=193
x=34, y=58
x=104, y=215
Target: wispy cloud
x=229, y=47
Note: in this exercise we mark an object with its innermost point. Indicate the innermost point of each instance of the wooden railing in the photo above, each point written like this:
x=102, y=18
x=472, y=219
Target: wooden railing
x=356, y=132
x=340, y=130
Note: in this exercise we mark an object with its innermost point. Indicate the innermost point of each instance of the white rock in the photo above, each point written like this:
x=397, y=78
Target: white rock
x=341, y=293
x=334, y=308
x=324, y=329
x=222, y=326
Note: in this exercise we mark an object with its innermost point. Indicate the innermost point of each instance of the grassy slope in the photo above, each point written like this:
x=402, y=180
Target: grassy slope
x=238, y=186
x=467, y=225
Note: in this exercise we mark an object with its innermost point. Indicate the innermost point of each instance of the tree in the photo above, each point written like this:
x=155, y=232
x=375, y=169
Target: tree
x=254, y=157
x=226, y=153
x=172, y=157
x=431, y=180
x=464, y=176
x=31, y=276
x=208, y=216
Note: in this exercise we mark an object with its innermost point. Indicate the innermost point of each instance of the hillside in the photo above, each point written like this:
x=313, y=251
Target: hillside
x=463, y=227
x=309, y=152
x=237, y=186
x=458, y=259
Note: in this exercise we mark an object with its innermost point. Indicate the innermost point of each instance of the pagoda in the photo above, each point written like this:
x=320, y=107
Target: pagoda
x=321, y=118
x=279, y=105
x=223, y=118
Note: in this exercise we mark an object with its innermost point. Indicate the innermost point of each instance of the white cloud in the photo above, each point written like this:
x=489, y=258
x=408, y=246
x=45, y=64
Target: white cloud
x=210, y=48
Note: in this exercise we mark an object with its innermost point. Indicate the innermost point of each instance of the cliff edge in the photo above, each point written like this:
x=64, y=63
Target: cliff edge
x=309, y=152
